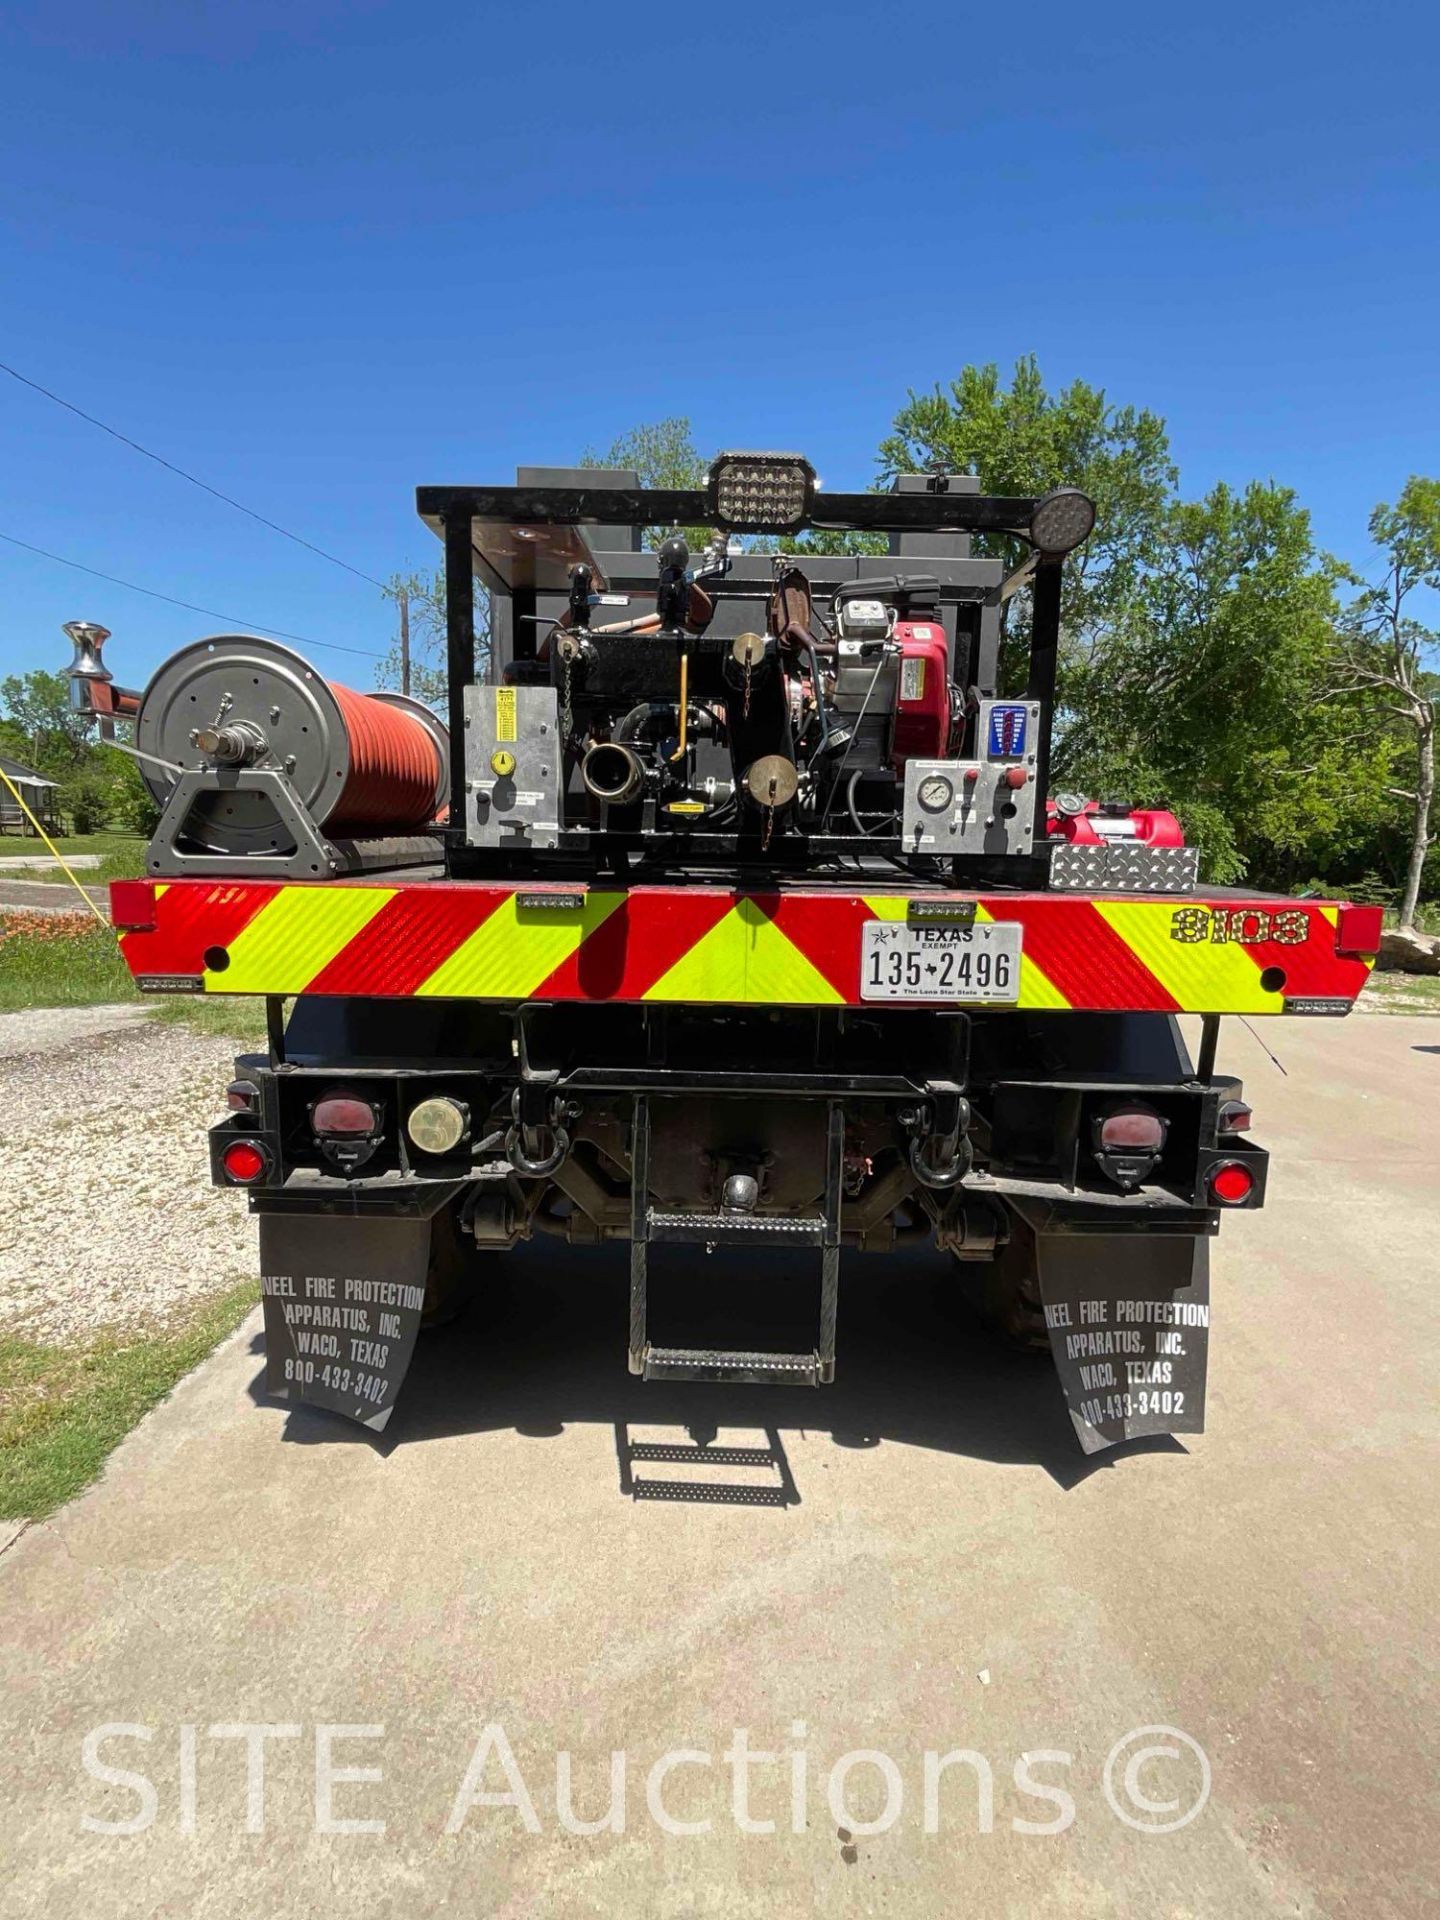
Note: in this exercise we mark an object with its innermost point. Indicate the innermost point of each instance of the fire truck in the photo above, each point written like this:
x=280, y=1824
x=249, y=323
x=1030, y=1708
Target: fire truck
x=729, y=907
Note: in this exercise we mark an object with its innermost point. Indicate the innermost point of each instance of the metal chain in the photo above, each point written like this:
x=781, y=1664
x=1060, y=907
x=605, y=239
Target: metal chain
x=769, y=828
x=567, y=718
x=746, y=708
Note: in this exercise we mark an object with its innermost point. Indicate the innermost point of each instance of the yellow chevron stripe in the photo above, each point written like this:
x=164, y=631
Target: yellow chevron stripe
x=508, y=956
x=746, y=958
x=1037, y=992
x=296, y=934
x=1203, y=976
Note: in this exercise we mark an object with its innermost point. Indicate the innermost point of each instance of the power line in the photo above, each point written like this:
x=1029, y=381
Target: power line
x=230, y=619
x=204, y=485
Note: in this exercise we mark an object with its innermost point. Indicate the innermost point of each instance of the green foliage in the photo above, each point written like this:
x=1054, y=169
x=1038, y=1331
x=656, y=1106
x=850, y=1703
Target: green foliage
x=1382, y=653
x=424, y=595
x=1022, y=440
x=1208, y=694
x=98, y=787
x=664, y=454
x=37, y=708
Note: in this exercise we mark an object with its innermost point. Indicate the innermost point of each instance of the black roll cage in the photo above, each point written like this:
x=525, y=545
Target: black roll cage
x=945, y=507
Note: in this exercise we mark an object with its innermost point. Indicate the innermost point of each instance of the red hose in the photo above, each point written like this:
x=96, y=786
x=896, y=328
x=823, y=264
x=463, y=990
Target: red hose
x=394, y=768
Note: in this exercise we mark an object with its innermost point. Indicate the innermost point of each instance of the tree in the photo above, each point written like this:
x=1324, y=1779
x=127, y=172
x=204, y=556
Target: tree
x=37, y=706
x=419, y=603
x=1383, y=652
x=664, y=454
x=1023, y=440
x=1209, y=693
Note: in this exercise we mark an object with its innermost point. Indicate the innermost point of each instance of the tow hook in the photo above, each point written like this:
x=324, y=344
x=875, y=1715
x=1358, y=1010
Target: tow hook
x=539, y=1139
x=940, y=1151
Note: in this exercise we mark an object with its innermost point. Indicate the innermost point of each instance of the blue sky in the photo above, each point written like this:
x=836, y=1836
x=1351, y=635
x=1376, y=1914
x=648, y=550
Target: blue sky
x=321, y=254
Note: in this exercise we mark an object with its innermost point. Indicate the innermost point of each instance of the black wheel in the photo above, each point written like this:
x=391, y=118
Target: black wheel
x=1006, y=1292
x=449, y=1276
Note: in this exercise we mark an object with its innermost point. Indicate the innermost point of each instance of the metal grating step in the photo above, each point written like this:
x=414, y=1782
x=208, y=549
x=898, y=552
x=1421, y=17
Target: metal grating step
x=760, y=1369
x=780, y=1229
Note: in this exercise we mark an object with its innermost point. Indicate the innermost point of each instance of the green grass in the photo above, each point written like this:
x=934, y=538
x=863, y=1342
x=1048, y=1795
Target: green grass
x=235, y=1016
x=63, y=1409
x=85, y=971
x=1402, y=993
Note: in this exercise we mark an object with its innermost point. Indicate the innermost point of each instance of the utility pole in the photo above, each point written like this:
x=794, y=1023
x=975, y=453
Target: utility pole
x=402, y=597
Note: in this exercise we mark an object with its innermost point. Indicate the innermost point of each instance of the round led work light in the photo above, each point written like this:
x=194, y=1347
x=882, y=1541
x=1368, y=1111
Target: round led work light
x=438, y=1125
x=1062, y=520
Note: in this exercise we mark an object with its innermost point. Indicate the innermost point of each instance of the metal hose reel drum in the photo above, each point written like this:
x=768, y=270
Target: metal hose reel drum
x=359, y=763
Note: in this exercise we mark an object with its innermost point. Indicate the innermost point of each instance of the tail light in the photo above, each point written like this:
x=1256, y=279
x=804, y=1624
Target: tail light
x=1357, y=930
x=1133, y=1129
x=1233, y=1117
x=1128, y=1143
x=347, y=1128
x=1232, y=1183
x=342, y=1113
x=245, y=1162
x=242, y=1096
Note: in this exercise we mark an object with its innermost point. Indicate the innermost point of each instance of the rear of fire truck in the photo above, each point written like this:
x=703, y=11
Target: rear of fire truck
x=730, y=910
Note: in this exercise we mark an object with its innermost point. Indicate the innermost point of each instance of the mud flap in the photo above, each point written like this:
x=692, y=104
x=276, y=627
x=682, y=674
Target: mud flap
x=1129, y=1323
x=343, y=1298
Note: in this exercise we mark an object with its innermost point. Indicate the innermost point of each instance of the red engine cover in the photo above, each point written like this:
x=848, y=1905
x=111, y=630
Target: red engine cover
x=922, y=704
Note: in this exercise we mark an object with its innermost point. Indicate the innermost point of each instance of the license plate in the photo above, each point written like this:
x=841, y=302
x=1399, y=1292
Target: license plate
x=898, y=962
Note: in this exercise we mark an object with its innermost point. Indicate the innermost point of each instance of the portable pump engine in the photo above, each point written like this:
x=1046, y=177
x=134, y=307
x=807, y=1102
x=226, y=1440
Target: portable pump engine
x=789, y=708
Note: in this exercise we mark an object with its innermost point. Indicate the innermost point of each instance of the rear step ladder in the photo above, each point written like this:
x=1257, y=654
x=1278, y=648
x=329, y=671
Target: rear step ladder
x=648, y=1224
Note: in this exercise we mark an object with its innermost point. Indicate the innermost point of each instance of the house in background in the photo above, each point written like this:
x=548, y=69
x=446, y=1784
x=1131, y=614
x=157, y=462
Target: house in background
x=40, y=796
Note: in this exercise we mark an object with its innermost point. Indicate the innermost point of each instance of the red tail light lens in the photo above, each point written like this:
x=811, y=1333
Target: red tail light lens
x=1232, y=1183
x=1357, y=930
x=242, y=1096
x=1234, y=1117
x=343, y=1113
x=244, y=1162
x=1135, y=1130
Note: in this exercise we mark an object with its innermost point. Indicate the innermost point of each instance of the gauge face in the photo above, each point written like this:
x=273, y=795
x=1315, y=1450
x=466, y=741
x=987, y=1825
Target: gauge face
x=935, y=793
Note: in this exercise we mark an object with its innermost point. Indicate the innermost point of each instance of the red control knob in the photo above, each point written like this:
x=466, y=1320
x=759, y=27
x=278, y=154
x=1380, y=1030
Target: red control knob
x=1014, y=777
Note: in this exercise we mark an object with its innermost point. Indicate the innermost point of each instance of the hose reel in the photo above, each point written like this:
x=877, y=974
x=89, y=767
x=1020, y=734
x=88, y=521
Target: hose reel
x=357, y=764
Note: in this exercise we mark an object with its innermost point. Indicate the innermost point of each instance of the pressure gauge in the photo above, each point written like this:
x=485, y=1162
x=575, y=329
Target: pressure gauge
x=935, y=793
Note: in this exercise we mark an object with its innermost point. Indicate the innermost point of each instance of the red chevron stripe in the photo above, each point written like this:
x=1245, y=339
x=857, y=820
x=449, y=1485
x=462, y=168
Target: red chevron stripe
x=1314, y=968
x=397, y=951
x=827, y=932
x=1082, y=956
x=639, y=943
x=192, y=917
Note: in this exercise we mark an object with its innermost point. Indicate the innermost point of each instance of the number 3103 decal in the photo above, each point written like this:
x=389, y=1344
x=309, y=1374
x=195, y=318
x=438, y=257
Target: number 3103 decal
x=1244, y=926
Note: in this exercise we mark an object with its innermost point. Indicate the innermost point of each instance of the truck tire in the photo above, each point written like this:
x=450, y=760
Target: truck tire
x=1006, y=1292
x=449, y=1276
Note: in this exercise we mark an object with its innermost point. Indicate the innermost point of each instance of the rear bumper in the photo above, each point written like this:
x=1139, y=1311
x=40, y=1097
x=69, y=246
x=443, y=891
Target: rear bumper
x=692, y=945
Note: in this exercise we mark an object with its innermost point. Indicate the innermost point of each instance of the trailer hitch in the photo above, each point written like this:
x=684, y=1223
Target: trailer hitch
x=940, y=1151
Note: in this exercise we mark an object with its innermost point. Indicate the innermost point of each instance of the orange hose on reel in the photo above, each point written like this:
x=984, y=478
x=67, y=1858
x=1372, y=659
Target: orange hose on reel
x=394, y=767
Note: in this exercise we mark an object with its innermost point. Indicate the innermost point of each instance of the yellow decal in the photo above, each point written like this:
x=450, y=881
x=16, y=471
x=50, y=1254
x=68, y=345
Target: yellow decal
x=505, y=720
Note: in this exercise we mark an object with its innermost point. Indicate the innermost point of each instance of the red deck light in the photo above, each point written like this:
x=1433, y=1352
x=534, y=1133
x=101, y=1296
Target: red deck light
x=244, y=1162
x=1232, y=1183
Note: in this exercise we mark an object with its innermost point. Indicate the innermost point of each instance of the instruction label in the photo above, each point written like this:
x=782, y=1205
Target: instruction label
x=506, y=725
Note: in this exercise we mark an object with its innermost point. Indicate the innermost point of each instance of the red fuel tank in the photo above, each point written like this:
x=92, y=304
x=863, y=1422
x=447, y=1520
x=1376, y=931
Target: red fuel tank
x=922, y=702
x=1088, y=823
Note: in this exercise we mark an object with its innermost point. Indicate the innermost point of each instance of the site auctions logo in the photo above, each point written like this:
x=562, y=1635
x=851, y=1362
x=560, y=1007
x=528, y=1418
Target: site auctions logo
x=1155, y=1780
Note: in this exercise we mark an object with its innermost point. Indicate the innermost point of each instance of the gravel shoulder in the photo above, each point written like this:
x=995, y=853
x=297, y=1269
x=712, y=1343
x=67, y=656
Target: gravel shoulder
x=106, y=1219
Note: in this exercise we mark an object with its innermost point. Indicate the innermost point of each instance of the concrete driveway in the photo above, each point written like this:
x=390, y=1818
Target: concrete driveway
x=917, y=1560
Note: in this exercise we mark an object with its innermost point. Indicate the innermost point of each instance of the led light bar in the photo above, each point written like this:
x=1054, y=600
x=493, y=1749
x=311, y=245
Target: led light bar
x=760, y=492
